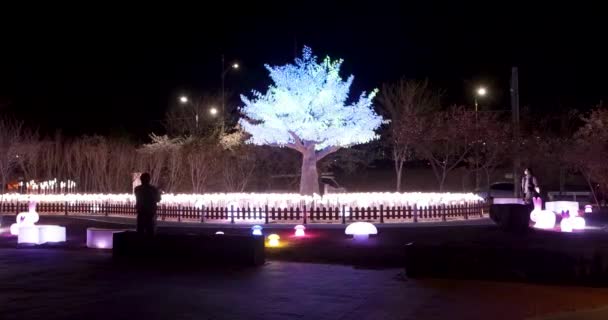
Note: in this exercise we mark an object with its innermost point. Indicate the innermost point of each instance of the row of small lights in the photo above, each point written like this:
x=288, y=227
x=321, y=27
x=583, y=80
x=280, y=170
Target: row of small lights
x=279, y=200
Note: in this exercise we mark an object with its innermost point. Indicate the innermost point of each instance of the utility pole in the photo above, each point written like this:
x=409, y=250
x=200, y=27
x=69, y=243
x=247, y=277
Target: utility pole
x=516, y=133
x=223, y=112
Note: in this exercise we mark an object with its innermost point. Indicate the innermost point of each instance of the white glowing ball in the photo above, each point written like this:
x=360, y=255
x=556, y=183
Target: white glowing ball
x=273, y=240
x=360, y=230
x=588, y=208
x=256, y=230
x=219, y=232
x=578, y=223
x=299, y=230
x=98, y=238
x=572, y=223
x=566, y=225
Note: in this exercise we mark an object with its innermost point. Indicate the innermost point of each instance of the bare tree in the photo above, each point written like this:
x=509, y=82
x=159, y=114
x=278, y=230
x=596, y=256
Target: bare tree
x=490, y=142
x=28, y=155
x=11, y=137
x=590, y=150
x=201, y=162
x=238, y=166
x=447, y=140
x=405, y=103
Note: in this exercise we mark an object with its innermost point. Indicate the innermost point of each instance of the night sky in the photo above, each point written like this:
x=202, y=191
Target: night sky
x=115, y=70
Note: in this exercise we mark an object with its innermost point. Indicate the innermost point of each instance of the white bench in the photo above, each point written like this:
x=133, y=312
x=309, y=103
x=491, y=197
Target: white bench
x=39, y=234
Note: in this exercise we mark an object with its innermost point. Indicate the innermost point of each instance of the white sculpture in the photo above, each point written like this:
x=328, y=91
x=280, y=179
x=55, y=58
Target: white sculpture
x=544, y=219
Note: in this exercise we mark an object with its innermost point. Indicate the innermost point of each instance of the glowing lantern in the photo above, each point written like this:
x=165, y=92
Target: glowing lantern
x=544, y=219
x=25, y=219
x=101, y=238
x=578, y=223
x=360, y=230
x=273, y=240
x=572, y=222
x=219, y=232
x=256, y=230
x=299, y=230
x=588, y=209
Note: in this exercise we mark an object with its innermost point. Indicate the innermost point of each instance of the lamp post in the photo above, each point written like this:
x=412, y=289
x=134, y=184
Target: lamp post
x=184, y=100
x=225, y=70
x=480, y=92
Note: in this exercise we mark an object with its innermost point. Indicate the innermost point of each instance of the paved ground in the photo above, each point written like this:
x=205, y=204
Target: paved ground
x=71, y=282
x=83, y=284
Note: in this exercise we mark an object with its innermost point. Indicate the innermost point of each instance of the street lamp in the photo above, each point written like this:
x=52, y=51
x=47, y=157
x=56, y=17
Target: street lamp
x=479, y=93
x=225, y=70
x=184, y=100
x=213, y=111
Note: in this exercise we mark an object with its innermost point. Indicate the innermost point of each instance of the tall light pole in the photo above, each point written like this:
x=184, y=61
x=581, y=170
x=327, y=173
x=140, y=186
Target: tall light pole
x=184, y=100
x=225, y=70
x=480, y=92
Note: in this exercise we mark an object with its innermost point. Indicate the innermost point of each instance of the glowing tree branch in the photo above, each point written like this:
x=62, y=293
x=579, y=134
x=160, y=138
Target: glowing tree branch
x=306, y=110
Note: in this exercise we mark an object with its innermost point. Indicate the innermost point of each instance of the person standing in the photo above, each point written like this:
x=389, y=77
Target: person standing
x=146, y=199
x=529, y=186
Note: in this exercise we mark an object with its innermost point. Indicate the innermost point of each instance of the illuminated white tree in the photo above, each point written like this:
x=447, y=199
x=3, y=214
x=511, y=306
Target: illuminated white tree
x=306, y=110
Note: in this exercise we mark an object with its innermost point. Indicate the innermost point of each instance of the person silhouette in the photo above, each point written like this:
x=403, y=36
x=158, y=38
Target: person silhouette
x=146, y=198
x=529, y=186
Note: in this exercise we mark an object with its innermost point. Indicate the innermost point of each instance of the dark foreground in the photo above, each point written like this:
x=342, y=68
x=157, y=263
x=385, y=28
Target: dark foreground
x=81, y=284
x=72, y=282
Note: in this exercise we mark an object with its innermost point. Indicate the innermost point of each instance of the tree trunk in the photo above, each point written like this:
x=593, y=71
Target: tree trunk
x=398, y=172
x=309, y=180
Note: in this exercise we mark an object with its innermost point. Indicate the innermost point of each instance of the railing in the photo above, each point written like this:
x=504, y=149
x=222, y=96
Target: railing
x=296, y=214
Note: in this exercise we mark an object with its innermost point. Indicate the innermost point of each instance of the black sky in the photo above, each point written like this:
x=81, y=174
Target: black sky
x=116, y=69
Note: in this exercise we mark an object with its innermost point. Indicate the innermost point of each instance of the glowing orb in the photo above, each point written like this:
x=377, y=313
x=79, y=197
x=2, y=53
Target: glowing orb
x=256, y=230
x=273, y=240
x=544, y=219
x=299, y=230
x=98, y=238
x=578, y=223
x=219, y=232
x=360, y=230
x=570, y=223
